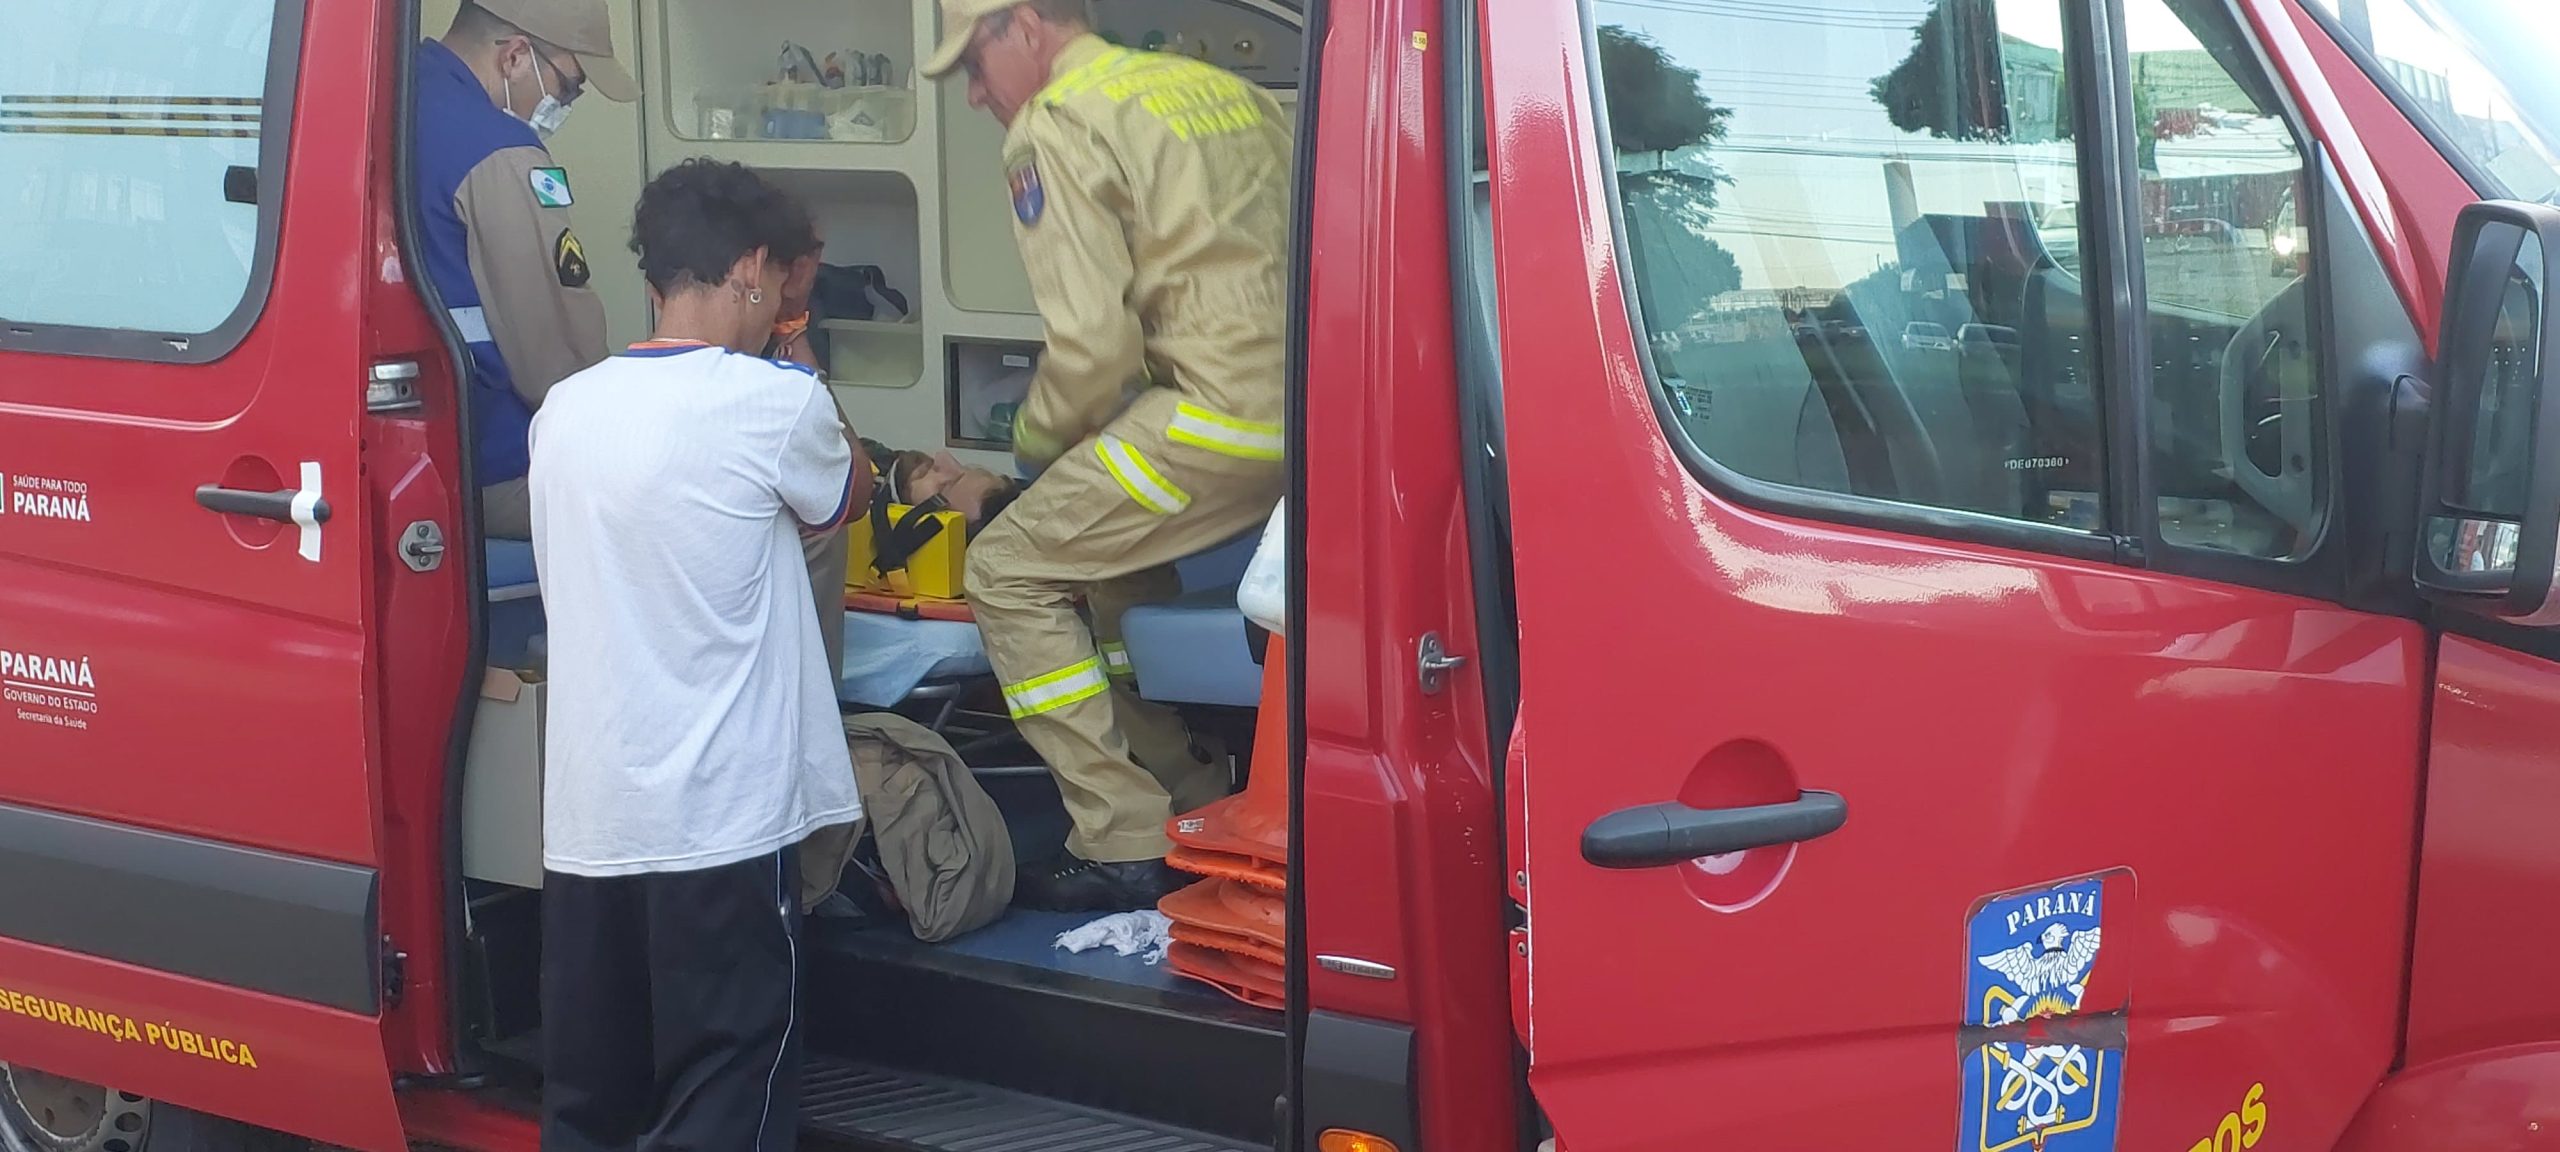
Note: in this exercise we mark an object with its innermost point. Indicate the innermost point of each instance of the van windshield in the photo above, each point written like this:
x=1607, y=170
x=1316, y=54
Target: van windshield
x=2482, y=72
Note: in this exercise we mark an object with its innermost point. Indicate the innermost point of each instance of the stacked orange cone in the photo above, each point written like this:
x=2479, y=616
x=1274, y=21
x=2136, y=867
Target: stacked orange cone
x=1229, y=930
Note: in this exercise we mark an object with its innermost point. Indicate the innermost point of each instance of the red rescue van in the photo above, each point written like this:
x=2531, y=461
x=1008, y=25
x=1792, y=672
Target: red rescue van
x=1864, y=574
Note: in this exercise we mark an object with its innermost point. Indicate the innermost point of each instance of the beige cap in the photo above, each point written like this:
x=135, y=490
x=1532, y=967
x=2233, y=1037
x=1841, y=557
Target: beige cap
x=959, y=23
x=578, y=27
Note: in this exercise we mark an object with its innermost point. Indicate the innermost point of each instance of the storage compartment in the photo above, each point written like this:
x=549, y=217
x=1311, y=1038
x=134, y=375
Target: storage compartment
x=1255, y=39
x=868, y=332
x=984, y=381
x=839, y=71
x=873, y=353
x=800, y=111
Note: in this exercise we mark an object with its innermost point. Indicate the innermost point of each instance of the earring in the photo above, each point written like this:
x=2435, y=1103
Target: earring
x=755, y=295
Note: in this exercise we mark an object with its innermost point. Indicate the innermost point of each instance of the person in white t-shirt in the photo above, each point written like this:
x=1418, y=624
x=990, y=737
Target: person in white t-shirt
x=693, y=739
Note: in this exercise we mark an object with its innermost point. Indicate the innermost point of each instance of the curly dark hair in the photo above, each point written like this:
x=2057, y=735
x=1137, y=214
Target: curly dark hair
x=698, y=218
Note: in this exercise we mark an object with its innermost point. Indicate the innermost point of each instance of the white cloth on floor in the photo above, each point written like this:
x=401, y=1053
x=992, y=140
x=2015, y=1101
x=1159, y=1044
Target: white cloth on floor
x=1146, y=935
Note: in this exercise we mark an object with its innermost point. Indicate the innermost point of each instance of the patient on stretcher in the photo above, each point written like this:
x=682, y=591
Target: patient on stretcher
x=939, y=480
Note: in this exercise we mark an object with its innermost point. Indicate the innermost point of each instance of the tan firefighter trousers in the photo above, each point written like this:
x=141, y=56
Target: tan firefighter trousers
x=1107, y=521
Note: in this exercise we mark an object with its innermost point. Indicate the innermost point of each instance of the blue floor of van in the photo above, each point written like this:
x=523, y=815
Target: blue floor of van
x=1024, y=941
x=1030, y=938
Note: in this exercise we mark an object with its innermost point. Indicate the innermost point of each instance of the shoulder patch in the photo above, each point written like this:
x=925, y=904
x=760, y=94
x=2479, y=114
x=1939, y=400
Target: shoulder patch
x=1028, y=197
x=550, y=187
x=569, y=259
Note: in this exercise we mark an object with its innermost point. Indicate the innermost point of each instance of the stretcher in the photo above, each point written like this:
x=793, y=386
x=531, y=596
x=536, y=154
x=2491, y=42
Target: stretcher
x=1192, y=650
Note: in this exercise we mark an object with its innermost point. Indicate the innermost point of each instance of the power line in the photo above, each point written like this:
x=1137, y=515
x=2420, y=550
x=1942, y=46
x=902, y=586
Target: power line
x=1726, y=83
x=1711, y=86
x=1810, y=80
x=1798, y=8
x=1756, y=71
x=1810, y=20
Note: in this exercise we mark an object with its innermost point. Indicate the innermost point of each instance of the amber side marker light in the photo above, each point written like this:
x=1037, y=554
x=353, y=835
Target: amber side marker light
x=1346, y=1140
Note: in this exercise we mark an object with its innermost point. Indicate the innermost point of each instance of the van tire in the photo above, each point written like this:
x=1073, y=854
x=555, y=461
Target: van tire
x=111, y=1121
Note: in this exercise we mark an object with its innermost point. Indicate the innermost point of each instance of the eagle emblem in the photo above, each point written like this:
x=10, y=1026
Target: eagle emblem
x=2031, y=955
x=2057, y=960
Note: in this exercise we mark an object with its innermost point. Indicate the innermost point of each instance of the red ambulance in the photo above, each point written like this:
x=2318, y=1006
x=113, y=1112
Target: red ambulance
x=1865, y=574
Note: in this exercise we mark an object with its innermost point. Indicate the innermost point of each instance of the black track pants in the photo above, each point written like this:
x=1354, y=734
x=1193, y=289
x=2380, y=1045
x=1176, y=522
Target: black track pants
x=670, y=1010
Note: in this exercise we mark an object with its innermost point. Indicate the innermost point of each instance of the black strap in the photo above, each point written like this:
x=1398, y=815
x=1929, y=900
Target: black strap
x=893, y=544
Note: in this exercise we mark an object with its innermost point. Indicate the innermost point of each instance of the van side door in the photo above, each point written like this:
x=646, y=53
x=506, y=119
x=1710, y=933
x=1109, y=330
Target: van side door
x=188, y=813
x=1956, y=709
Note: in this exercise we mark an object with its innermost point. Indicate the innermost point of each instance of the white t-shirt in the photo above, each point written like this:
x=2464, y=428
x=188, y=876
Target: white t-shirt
x=692, y=720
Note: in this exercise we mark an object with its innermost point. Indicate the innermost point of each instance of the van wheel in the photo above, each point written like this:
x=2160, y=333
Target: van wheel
x=41, y=1112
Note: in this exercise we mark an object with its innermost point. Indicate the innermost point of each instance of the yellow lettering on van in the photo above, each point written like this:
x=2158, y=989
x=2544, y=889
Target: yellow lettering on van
x=124, y=1030
x=2241, y=1130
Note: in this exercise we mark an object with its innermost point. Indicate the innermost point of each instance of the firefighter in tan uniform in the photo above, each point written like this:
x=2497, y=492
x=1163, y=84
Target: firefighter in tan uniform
x=1150, y=197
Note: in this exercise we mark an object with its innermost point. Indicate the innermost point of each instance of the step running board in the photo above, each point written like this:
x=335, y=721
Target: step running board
x=860, y=1106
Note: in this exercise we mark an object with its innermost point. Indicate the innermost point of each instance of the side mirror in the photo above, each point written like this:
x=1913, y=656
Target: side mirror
x=2490, y=545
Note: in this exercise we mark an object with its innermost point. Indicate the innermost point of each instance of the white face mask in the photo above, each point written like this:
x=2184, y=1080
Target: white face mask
x=547, y=116
x=548, y=113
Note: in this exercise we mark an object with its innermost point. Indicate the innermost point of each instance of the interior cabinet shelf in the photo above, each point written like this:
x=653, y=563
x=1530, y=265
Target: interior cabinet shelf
x=808, y=155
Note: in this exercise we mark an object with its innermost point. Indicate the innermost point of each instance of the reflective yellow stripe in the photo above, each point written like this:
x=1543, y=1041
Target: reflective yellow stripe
x=1030, y=443
x=1223, y=434
x=1140, y=479
x=1115, y=657
x=1082, y=680
x=1085, y=75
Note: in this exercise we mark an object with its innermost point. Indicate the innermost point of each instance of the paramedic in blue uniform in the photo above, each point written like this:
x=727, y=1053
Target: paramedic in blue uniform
x=493, y=213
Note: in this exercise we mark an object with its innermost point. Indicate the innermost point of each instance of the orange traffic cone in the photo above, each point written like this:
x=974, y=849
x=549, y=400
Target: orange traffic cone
x=1231, y=945
x=1216, y=956
x=1252, y=827
x=1230, y=909
x=1219, y=865
x=1249, y=980
x=1230, y=930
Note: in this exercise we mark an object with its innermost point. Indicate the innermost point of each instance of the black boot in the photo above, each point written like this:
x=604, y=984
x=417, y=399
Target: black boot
x=1073, y=885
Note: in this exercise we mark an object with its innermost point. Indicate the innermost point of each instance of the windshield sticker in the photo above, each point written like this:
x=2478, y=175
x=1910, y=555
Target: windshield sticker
x=2039, y=1074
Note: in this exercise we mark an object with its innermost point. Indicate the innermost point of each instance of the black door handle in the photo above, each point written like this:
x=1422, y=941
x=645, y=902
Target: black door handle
x=277, y=505
x=1652, y=835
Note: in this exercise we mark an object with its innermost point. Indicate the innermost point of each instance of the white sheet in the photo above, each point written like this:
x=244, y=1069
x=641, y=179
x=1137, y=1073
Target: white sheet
x=885, y=657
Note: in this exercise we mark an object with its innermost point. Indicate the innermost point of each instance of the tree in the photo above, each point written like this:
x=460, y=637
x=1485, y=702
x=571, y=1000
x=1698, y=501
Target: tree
x=1658, y=109
x=1952, y=84
x=1655, y=105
